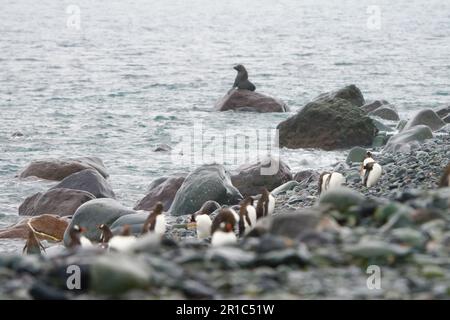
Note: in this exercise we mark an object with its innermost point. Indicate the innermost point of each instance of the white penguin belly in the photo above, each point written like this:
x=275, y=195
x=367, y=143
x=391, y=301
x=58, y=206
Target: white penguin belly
x=221, y=238
x=121, y=243
x=252, y=215
x=271, y=205
x=203, y=226
x=160, y=224
x=374, y=175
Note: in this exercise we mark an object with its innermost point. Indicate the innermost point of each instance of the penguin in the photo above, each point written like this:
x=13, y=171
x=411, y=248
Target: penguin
x=330, y=180
x=370, y=171
x=76, y=239
x=247, y=216
x=123, y=241
x=265, y=205
x=106, y=234
x=156, y=221
x=241, y=81
x=222, y=228
x=445, y=180
x=33, y=245
x=202, y=220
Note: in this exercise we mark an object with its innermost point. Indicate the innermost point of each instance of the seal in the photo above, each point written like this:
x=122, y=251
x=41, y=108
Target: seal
x=241, y=81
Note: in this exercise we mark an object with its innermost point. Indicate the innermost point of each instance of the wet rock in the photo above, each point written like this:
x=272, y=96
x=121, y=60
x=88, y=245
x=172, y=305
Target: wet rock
x=409, y=237
x=307, y=176
x=381, y=126
x=58, y=169
x=196, y=290
x=293, y=224
x=162, y=148
x=327, y=124
x=426, y=117
x=342, y=198
x=161, y=192
x=48, y=226
x=60, y=201
x=250, y=101
x=284, y=187
x=446, y=119
x=350, y=93
x=291, y=256
x=356, y=154
x=94, y=213
x=269, y=173
x=372, y=106
x=208, y=182
x=386, y=113
x=443, y=112
x=374, y=249
x=87, y=180
x=404, y=141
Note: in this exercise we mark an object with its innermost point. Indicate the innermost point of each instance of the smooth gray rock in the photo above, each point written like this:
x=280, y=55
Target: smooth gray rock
x=401, y=142
x=161, y=192
x=356, y=154
x=426, y=117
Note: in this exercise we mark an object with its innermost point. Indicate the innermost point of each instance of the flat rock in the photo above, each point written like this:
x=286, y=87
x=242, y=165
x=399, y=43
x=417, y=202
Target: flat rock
x=250, y=101
x=46, y=224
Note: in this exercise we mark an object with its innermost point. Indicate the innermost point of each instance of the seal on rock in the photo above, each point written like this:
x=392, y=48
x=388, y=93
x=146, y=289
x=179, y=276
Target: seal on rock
x=241, y=81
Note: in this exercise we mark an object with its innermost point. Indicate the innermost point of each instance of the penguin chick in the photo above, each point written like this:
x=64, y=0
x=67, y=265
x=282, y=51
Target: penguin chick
x=265, y=205
x=330, y=181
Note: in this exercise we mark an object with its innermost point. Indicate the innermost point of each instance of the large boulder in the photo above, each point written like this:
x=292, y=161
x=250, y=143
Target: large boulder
x=61, y=202
x=428, y=118
x=208, y=182
x=329, y=124
x=350, y=93
x=386, y=113
x=162, y=190
x=356, y=154
x=404, y=141
x=245, y=100
x=94, y=213
x=58, y=169
x=249, y=180
x=48, y=227
x=88, y=180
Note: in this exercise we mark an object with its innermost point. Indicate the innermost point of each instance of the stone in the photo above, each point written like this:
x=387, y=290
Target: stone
x=342, y=199
x=60, y=201
x=58, y=169
x=356, y=154
x=372, y=106
x=94, y=213
x=350, y=93
x=327, y=124
x=401, y=141
x=49, y=227
x=426, y=117
x=250, y=101
x=161, y=192
x=307, y=176
x=87, y=180
x=249, y=179
x=386, y=113
x=162, y=148
x=443, y=112
x=208, y=182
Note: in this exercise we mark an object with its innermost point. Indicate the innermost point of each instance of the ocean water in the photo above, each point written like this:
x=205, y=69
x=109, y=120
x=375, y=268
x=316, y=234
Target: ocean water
x=139, y=73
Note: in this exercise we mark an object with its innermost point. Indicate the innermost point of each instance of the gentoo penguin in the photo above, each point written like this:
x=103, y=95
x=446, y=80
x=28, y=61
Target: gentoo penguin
x=241, y=81
x=156, y=221
x=265, y=205
x=201, y=219
x=123, y=241
x=445, y=180
x=106, y=234
x=247, y=216
x=330, y=180
x=222, y=228
x=33, y=245
x=370, y=171
x=76, y=239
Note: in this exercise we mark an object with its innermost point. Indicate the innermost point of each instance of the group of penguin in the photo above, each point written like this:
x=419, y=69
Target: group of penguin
x=222, y=227
x=370, y=172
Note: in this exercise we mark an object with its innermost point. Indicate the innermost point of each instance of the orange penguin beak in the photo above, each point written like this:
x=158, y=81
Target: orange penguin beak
x=229, y=227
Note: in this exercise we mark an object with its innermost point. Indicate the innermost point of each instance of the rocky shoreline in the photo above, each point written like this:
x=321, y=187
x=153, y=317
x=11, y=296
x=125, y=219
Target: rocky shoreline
x=311, y=248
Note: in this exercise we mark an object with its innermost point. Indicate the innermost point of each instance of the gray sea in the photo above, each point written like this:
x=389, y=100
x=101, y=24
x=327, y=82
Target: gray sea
x=116, y=78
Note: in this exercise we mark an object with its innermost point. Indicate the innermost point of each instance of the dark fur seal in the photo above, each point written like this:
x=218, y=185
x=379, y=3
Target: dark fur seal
x=241, y=81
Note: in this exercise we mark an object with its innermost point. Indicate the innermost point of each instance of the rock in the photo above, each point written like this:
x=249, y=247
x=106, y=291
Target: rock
x=327, y=124
x=401, y=141
x=17, y=134
x=94, y=213
x=380, y=140
x=245, y=100
x=342, y=198
x=114, y=274
x=295, y=223
x=307, y=176
x=87, y=180
x=135, y=221
x=446, y=119
x=443, y=112
x=356, y=154
x=60, y=201
x=46, y=224
x=284, y=187
x=164, y=192
x=296, y=257
x=208, y=182
x=162, y=148
x=58, y=169
x=426, y=117
x=381, y=126
x=409, y=237
x=386, y=113
x=350, y=93
x=249, y=179
x=372, y=106
x=374, y=249
x=401, y=124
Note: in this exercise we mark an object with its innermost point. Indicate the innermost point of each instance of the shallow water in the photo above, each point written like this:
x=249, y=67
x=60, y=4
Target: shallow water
x=139, y=73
